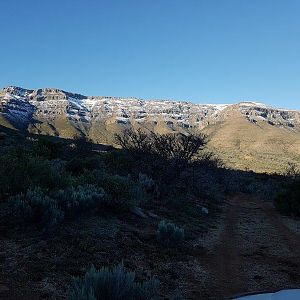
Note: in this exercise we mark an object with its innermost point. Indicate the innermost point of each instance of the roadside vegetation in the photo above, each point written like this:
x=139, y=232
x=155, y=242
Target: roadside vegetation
x=288, y=199
x=48, y=185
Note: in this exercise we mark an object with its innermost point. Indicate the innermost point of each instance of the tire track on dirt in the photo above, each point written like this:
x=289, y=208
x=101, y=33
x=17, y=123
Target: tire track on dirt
x=225, y=262
x=255, y=251
x=289, y=237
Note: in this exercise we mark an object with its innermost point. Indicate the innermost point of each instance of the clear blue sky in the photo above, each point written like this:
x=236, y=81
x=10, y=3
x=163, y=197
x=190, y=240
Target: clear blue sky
x=201, y=50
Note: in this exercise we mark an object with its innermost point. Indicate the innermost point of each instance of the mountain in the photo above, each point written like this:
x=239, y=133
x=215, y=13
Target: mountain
x=245, y=135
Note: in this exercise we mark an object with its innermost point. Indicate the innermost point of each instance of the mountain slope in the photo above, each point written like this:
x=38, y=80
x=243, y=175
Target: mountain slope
x=245, y=135
x=256, y=146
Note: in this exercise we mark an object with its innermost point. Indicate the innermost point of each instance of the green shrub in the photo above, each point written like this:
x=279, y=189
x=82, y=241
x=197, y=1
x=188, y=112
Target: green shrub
x=36, y=207
x=79, y=199
x=122, y=193
x=79, y=165
x=115, y=284
x=176, y=296
x=288, y=201
x=146, y=182
x=169, y=235
x=45, y=147
x=83, y=145
x=119, y=161
x=20, y=170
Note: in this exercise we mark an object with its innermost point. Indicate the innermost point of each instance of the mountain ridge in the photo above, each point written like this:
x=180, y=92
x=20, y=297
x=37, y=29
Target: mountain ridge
x=244, y=102
x=242, y=134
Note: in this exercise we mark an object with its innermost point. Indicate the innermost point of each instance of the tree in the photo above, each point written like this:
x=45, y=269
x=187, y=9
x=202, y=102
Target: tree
x=134, y=140
x=177, y=147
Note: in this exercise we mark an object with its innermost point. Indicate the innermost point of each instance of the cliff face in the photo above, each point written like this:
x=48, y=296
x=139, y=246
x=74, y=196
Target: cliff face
x=247, y=132
x=27, y=106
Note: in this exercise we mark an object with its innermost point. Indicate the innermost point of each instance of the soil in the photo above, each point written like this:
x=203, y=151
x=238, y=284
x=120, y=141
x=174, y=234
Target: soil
x=248, y=248
x=255, y=252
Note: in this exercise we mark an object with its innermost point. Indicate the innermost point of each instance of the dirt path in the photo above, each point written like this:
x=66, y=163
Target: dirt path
x=255, y=251
x=248, y=249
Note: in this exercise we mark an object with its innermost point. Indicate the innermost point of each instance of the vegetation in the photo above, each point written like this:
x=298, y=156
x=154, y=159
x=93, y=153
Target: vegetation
x=22, y=169
x=36, y=207
x=75, y=200
x=179, y=148
x=288, y=201
x=120, y=196
x=113, y=284
x=169, y=235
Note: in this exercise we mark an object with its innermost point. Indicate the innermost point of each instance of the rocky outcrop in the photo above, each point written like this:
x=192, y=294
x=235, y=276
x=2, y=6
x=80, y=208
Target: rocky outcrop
x=23, y=107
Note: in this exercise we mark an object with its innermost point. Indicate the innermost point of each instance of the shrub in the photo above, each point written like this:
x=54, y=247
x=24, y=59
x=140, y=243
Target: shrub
x=292, y=170
x=179, y=147
x=79, y=199
x=146, y=182
x=79, y=165
x=288, y=201
x=119, y=161
x=169, y=235
x=135, y=140
x=182, y=148
x=83, y=145
x=115, y=284
x=3, y=135
x=20, y=171
x=45, y=147
x=121, y=192
x=176, y=296
x=36, y=207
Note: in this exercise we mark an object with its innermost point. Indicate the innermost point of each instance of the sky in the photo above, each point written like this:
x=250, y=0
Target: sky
x=204, y=51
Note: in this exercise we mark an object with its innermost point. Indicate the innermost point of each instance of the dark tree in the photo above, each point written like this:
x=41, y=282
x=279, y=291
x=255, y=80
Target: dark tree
x=176, y=147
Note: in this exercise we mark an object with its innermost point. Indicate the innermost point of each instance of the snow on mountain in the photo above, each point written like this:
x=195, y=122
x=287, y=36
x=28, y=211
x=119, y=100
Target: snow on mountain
x=21, y=105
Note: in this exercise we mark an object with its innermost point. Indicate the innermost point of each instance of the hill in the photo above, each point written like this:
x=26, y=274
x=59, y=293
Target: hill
x=247, y=135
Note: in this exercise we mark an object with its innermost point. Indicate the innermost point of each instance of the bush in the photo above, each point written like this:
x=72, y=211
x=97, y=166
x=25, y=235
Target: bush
x=121, y=192
x=79, y=165
x=288, y=201
x=20, y=171
x=118, y=161
x=135, y=140
x=115, y=284
x=169, y=235
x=292, y=170
x=36, y=207
x=83, y=145
x=79, y=199
x=45, y=147
x=146, y=182
x=181, y=148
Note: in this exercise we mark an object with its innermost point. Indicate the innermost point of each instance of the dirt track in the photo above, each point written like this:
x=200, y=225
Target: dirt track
x=249, y=248
x=255, y=251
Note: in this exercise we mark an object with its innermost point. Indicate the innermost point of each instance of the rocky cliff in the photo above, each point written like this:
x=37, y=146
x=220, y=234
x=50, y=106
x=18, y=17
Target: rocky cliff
x=243, y=134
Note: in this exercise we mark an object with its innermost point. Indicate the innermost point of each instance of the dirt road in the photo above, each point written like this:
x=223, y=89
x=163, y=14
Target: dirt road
x=248, y=248
x=255, y=251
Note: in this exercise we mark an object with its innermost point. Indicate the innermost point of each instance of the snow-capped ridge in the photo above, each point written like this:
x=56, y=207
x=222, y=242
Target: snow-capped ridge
x=50, y=103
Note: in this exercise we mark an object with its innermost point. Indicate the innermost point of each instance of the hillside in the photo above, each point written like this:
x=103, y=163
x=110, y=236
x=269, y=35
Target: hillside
x=247, y=135
x=68, y=204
